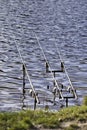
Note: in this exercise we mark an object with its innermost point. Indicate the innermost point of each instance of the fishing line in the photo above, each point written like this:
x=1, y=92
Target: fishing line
x=47, y=63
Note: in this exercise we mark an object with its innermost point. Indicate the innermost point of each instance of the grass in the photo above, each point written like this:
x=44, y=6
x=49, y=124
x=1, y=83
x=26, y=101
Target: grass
x=29, y=119
x=85, y=100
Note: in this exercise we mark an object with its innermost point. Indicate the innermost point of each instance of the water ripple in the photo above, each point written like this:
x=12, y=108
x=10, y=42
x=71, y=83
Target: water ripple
x=62, y=21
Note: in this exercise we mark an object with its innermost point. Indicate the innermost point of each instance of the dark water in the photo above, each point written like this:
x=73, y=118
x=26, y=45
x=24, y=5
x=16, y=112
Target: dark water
x=63, y=21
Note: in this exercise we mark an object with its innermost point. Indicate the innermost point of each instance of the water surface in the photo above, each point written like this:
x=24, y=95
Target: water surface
x=53, y=21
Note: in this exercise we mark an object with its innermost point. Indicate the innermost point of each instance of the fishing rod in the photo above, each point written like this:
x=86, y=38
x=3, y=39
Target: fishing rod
x=28, y=76
x=62, y=61
x=56, y=84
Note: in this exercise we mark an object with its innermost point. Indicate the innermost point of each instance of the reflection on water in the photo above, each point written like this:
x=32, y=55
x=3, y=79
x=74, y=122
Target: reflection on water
x=62, y=21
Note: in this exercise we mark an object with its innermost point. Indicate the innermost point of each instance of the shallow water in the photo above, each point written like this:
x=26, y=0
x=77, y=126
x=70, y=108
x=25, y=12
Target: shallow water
x=54, y=21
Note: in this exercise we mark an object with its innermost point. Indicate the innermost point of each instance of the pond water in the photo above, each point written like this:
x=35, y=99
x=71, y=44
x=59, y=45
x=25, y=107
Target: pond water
x=60, y=22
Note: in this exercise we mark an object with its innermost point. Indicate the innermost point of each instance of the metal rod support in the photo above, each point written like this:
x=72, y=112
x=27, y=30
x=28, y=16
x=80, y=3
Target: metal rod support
x=23, y=78
x=62, y=66
x=54, y=98
x=35, y=102
x=47, y=67
x=66, y=101
x=47, y=86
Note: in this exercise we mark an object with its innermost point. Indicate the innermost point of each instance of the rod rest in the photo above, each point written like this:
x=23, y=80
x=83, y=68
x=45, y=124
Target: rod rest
x=62, y=66
x=54, y=71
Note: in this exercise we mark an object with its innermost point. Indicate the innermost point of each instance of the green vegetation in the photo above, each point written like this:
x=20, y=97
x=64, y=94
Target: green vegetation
x=29, y=119
x=71, y=118
x=85, y=101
